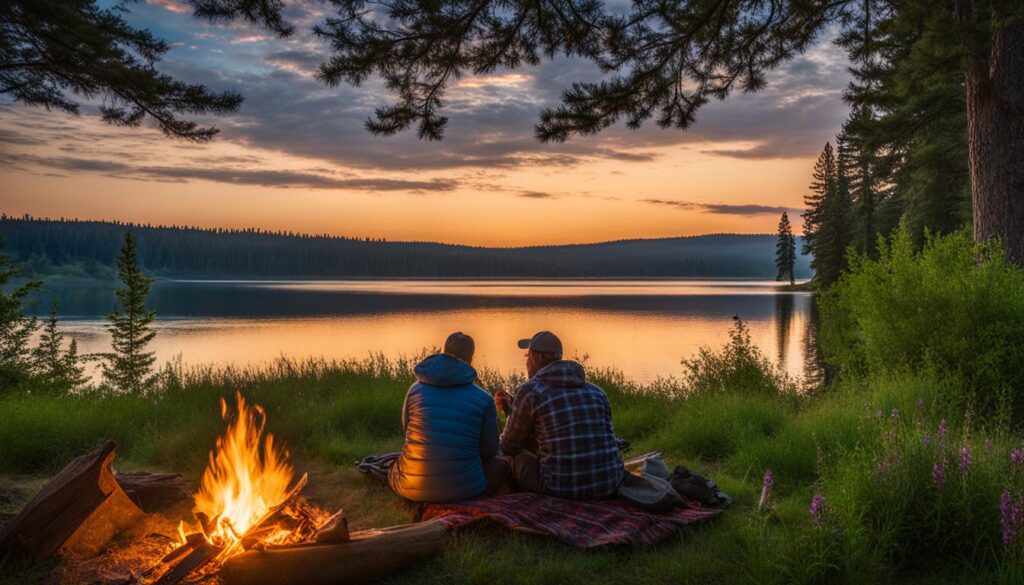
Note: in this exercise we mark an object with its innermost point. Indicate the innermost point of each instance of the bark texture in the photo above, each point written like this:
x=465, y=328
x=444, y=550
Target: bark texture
x=995, y=127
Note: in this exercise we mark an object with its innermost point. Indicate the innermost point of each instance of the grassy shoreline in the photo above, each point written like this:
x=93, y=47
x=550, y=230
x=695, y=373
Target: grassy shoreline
x=329, y=414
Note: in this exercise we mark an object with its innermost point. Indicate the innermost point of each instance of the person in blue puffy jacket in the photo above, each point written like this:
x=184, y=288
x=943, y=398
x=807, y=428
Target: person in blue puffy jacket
x=451, y=431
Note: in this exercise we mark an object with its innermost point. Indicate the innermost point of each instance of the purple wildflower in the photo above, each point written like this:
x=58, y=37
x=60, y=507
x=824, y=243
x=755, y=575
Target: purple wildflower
x=817, y=504
x=965, y=460
x=766, y=490
x=939, y=474
x=927, y=439
x=1005, y=519
x=942, y=431
x=1017, y=458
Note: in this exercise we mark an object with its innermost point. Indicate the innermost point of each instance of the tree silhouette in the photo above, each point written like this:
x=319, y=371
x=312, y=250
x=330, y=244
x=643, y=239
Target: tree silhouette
x=51, y=48
x=785, y=251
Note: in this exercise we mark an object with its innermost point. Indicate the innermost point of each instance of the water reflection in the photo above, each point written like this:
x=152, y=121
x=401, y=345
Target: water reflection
x=643, y=328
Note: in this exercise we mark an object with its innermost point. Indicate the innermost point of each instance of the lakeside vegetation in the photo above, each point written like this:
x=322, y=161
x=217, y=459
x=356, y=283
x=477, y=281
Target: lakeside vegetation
x=915, y=448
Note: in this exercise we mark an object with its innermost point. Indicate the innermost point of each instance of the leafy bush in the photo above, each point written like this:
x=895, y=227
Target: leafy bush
x=955, y=309
x=738, y=367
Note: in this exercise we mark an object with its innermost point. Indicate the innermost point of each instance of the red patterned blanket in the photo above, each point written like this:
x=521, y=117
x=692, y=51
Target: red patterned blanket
x=580, y=523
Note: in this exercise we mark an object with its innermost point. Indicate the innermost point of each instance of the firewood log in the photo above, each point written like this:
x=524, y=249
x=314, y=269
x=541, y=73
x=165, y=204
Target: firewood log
x=334, y=530
x=369, y=555
x=78, y=511
x=153, y=491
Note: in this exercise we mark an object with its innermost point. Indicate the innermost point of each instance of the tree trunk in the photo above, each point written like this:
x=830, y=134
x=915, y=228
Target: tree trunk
x=995, y=129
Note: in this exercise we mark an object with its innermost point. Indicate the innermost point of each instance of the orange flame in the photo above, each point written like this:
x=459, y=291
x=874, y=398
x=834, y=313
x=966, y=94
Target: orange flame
x=246, y=476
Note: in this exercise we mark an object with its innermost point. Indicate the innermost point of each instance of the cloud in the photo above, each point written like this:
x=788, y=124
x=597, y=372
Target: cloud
x=537, y=195
x=240, y=176
x=171, y=5
x=745, y=209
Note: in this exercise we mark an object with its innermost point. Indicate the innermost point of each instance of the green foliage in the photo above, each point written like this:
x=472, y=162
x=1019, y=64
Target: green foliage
x=58, y=368
x=15, y=329
x=785, y=251
x=129, y=367
x=954, y=308
x=739, y=366
x=909, y=120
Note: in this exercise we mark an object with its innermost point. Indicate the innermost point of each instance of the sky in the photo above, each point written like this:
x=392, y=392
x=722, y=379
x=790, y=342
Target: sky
x=296, y=156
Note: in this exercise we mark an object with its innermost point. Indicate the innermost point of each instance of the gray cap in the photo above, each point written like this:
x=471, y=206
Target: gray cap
x=543, y=342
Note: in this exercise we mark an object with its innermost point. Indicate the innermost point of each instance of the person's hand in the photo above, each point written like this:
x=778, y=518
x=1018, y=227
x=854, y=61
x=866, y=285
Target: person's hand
x=502, y=401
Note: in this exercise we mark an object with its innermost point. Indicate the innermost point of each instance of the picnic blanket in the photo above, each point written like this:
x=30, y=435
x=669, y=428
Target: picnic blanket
x=584, y=524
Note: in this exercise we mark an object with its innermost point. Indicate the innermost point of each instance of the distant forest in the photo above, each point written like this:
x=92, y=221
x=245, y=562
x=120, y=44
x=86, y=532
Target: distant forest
x=89, y=248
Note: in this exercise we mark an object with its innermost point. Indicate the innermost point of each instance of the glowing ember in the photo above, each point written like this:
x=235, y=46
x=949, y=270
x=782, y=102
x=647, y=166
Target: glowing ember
x=246, y=476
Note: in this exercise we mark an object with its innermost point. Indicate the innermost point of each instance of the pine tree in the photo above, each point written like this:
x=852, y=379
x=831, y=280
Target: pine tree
x=58, y=368
x=129, y=367
x=827, y=232
x=822, y=183
x=15, y=328
x=52, y=49
x=785, y=251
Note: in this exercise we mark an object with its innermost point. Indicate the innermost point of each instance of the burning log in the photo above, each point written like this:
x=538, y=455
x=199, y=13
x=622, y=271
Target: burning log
x=369, y=555
x=78, y=511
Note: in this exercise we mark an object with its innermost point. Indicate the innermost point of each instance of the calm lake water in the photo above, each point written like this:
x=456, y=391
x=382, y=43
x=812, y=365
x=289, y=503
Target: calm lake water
x=643, y=328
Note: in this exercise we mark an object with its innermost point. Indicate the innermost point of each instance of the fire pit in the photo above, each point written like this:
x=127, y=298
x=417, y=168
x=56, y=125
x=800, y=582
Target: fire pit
x=249, y=523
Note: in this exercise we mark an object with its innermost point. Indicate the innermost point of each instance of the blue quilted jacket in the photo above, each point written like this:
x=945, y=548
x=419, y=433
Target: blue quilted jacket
x=451, y=426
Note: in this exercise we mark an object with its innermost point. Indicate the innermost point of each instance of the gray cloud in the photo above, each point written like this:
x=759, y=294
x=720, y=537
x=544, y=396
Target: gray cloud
x=537, y=195
x=744, y=209
x=236, y=176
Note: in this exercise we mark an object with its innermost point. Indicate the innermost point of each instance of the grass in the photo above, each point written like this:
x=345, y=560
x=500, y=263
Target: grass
x=331, y=413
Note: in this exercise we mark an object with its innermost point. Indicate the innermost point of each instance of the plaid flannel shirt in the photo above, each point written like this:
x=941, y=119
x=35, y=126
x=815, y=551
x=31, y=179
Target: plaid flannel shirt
x=568, y=423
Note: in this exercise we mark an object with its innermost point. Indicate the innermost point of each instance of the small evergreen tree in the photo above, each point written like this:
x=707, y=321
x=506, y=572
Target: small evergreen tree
x=785, y=251
x=129, y=367
x=58, y=368
x=15, y=328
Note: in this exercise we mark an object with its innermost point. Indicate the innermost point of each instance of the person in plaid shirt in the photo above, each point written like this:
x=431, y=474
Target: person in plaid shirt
x=559, y=427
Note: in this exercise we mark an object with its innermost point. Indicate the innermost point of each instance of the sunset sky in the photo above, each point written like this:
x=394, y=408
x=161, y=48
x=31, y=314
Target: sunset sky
x=296, y=157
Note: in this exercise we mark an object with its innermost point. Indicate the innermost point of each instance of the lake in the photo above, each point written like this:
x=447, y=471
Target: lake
x=643, y=328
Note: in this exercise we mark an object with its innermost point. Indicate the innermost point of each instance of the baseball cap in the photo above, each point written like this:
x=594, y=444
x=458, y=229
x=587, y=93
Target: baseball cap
x=543, y=342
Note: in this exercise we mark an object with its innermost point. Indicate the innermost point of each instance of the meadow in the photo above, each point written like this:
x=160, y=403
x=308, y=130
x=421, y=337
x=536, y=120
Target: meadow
x=918, y=459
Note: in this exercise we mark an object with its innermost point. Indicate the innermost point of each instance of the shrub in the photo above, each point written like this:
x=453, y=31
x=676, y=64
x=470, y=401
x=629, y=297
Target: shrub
x=738, y=367
x=955, y=309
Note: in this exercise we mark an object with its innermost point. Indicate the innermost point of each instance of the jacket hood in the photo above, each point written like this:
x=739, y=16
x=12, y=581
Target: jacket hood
x=563, y=373
x=445, y=370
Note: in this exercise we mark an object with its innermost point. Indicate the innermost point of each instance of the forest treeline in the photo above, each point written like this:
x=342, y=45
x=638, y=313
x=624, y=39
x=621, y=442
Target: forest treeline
x=89, y=248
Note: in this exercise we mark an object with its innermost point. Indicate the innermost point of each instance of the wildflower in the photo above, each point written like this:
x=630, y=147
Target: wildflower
x=879, y=415
x=920, y=403
x=942, y=431
x=895, y=413
x=817, y=504
x=766, y=490
x=927, y=439
x=1017, y=458
x=965, y=460
x=939, y=474
x=988, y=444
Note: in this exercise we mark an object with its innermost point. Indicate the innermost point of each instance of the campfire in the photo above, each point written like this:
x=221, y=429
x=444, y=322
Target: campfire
x=248, y=523
x=246, y=501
